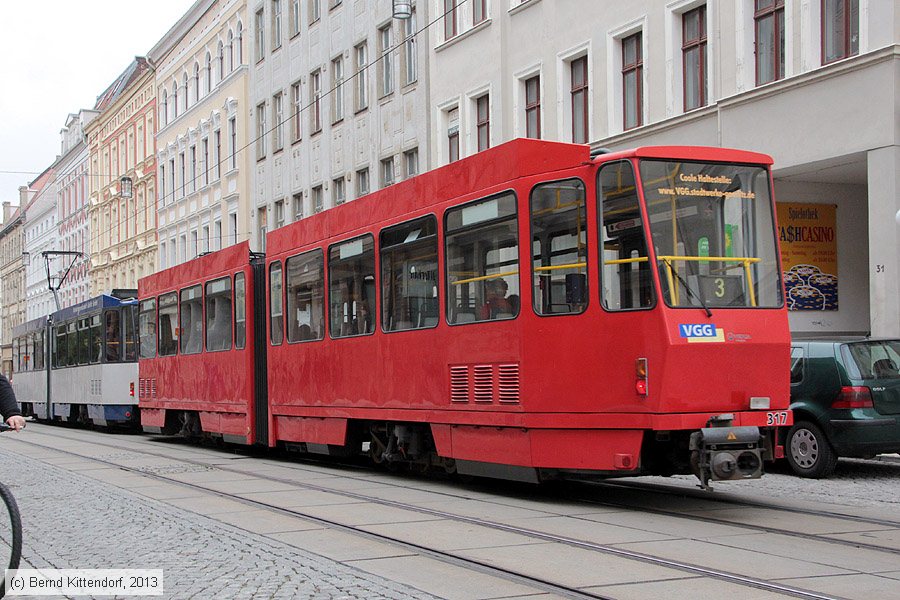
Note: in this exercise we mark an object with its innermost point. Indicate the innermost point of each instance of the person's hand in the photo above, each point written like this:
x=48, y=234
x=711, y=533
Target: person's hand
x=16, y=421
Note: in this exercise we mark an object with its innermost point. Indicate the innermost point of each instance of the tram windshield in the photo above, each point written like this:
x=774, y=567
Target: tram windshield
x=713, y=232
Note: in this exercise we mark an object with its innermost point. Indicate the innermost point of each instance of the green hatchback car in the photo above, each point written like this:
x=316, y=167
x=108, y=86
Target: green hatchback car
x=845, y=394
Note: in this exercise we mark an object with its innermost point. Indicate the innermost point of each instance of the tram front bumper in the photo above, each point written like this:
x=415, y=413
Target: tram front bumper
x=726, y=454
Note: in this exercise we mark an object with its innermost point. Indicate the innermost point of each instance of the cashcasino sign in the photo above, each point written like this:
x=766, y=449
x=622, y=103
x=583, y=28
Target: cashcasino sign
x=809, y=255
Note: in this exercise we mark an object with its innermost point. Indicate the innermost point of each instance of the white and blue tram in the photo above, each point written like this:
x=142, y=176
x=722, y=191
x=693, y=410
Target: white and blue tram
x=88, y=362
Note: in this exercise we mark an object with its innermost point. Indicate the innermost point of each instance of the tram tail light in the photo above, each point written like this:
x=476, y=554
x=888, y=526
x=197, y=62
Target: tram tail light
x=640, y=372
x=853, y=397
x=131, y=391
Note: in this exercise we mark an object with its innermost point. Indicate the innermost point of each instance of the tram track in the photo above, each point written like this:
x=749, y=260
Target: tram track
x=481, y=566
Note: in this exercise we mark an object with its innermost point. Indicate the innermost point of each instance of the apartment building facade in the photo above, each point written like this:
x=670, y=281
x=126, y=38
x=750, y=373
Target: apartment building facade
x=39, y=235
x=202, y=79
x=339, y=104
x=12, y=273
x=122, y=211
x=811, y=82
x=73, y=232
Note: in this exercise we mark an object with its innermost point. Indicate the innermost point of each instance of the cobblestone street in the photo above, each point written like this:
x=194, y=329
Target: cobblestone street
x=201, y=557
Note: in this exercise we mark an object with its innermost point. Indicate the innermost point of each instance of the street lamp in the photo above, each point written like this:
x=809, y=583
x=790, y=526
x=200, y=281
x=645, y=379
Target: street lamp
x=402, y=9
x=125, y=186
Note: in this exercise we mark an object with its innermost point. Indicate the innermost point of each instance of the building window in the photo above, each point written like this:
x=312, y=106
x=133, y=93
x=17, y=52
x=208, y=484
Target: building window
x=172, y=179
x=260, y=130
x=276, y=24
x=260, y=35
x=411, y=163
x=262, y=223
x=387, y=172
x=450, y=25
x=386, y=64
x=533, y=107
x=277, y=119
x=279, y=214
x=295, y=112
x=362, y=78
x=318, y=199
x=840, y=29
x=183, y=170
x=239, y=43
x=230, y=47
x=315, y=11
x=221, y=61
x=337, y=93
x=769, y=26
x=410, y=62
x=579, y=69
x=298, y=206
x=217, y=154
x=232, y=133
x=632, y=80
x=204, y=145
x=452, y=135
x=295, y=17
x=479, y=11
x=693, y=51
x=483, y=125
x=315, y=93
x=193, y=151
x=337, y=189
x=208, y=73
x=362, y=182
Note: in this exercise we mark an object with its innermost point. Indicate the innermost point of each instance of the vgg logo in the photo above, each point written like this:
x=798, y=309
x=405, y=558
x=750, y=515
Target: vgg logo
x=689, y=330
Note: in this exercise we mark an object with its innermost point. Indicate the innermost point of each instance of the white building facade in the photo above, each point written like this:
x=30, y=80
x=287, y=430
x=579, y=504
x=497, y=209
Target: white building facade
x=73, y=232
x=40, y=225
x=339, y=103
x=203, y=164
x=810, y=82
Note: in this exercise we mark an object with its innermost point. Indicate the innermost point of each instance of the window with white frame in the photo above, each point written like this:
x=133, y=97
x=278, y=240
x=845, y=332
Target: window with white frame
x=217, y=153
x=411, y=163
x=410, y=60
x=451, y=27
x=386, y=64
x=297, y=201
x=209, y=75
x=260, y=130
x=296, y=128
x=260, y=35
x=262, y=224
x=533, y=107
x=315, y=10
x=337, y=91
x=362, y=182
x=632, y=80
x=337, y=191
x=279, y=213
x=294, y=18
x=387, y=172
x=483, y=122
x=318, y=199
x=362, y=78
x=232, y=133
x=276, y=24
x=193, y=174
x=579, y=97
x=277, y=122
x=315, y=96
x=204, y=157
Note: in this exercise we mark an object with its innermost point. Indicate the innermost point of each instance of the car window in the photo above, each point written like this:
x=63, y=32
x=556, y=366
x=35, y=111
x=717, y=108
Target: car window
x=797, y=360
x=873, y=359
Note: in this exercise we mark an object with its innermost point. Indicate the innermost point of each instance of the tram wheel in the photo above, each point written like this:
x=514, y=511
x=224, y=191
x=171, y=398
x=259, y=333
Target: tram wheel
x=809, y=452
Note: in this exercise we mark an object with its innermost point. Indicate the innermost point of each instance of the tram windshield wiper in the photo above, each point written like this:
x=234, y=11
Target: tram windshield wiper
x=687, y=287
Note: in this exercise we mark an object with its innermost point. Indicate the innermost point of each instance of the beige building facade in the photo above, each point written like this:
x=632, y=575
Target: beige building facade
x=12, y=275
x=122, y=220
x=203, y=168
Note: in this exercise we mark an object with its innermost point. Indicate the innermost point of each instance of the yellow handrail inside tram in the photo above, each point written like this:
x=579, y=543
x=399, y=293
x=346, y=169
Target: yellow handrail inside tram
x=745, y=260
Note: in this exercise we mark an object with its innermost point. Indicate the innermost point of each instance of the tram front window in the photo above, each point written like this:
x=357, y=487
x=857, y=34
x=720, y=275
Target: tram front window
x=713, y=231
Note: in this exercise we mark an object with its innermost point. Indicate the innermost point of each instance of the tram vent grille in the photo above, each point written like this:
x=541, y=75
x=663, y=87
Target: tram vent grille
x=484, y=383
x=459, y=383
x=508, y=383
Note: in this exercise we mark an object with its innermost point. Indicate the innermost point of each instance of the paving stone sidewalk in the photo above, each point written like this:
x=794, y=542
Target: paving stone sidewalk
x=71, y=521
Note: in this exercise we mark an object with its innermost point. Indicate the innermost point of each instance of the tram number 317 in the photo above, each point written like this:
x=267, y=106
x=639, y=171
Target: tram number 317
x=777, y=418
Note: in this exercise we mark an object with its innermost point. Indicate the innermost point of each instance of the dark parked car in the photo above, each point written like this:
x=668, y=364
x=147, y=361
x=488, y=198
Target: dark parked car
x=845, y=394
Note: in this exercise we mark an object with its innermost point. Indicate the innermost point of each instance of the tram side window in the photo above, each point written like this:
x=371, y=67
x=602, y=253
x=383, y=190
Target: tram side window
x=168, y=324
x=559, y=248
x=351, y=289
x=95, y=339
x=625, y=277
x=409, y=274
x=129, y=321
x=72, y=343
x=113, y=336
x=84, y=341
x=218, y=315
x=59, y=351
x=276, y=304
x=17, y=355
x=191, y=320
x=482, y=260
x=147, y=328
x=38, y=362
x=306, y=297
x=240, y=311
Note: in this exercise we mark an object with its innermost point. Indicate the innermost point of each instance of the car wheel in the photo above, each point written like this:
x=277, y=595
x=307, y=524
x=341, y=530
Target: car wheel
x=808, y=451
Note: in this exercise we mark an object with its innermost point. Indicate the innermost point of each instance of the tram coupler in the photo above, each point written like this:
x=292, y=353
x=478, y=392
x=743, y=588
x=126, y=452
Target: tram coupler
x=726, y=454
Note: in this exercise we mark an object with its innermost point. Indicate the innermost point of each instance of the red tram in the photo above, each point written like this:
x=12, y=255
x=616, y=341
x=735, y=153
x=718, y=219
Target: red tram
x=529, y=312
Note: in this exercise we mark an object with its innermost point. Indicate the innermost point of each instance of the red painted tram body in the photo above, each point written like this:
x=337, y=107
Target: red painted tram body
x=528, y=312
